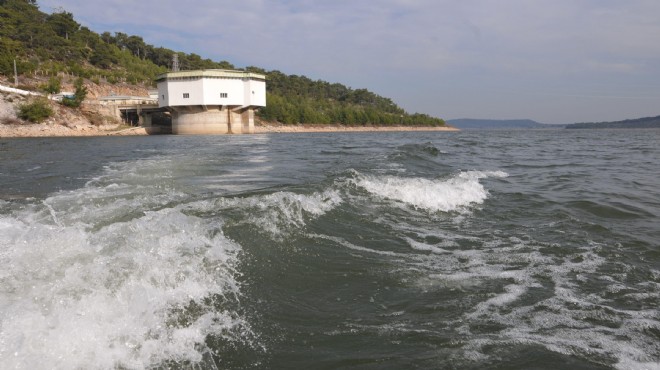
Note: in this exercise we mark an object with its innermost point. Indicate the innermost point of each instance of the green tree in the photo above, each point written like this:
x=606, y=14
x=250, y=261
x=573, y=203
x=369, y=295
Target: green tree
x=103, y=56
x=63, y=24
x=78, y=97
x=136, y=46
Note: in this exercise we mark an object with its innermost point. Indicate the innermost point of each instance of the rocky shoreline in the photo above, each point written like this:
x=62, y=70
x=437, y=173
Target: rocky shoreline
x=89, y=120
x=58, y=130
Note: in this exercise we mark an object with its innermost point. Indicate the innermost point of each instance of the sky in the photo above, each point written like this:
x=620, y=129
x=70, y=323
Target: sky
x=553, y=61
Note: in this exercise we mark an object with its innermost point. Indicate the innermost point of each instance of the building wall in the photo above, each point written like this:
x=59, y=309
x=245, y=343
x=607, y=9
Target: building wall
x=214, y=87
x=170, y=93
x=208, y=91
x=257, y=91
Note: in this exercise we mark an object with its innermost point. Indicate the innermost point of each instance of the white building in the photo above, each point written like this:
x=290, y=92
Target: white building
x=212, y=101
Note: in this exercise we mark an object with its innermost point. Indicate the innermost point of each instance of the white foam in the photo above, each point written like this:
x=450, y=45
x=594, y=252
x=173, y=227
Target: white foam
x=280, y=212
x=537, y=298
x=102, y=277
x=352, y=246
x=568, y=322
x=513, y=292
x=427, y=247
x=455, y=193
x=630, y=364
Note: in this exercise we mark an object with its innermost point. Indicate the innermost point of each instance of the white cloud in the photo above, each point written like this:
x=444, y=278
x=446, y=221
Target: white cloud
x=421, y=33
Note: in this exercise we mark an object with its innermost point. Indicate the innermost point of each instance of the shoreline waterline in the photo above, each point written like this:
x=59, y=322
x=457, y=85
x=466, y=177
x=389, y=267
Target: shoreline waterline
x=42, y=130
x=268, y=129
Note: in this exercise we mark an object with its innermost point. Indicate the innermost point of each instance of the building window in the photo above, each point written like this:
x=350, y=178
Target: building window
x=186, y=95
x=223, y=95
x=163, y=97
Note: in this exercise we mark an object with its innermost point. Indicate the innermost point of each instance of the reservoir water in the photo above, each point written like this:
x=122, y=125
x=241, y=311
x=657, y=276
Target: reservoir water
x=483, y=249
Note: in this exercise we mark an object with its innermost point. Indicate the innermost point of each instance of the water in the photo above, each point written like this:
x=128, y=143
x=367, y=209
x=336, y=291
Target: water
x=504, y=249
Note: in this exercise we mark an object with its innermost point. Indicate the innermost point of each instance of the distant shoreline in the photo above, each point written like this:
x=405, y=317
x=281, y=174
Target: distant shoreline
x=270, y=128
x=56, y=130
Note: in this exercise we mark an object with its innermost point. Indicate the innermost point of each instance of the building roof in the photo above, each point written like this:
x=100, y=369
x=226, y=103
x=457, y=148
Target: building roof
x=228, y=73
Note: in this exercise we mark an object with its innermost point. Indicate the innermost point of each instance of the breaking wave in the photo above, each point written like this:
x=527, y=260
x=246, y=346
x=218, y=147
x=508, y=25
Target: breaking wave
x=111, y=275
x=441, y=195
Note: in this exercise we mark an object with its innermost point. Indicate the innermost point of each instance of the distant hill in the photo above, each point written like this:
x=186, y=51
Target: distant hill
x=470, y=123
x=646, y=122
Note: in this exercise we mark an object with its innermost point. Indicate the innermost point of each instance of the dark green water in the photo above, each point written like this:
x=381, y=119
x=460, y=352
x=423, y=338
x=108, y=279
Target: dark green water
x=502, y=249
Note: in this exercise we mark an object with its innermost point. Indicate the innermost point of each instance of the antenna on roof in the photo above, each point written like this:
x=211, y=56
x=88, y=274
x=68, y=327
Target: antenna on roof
x=175, y=63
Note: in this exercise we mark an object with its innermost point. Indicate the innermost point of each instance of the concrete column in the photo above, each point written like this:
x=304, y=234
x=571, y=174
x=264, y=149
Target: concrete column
x=115, y=111
x=248, y=121
x=145, y=119
x=235, y=122
x=139, y=114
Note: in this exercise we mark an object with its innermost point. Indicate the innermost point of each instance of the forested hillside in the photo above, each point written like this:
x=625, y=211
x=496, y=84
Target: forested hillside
x=646, y=122
x=55, y=45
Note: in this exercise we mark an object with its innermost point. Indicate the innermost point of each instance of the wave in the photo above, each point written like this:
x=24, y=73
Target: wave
x=281, y=212
x=116, y=275
x=441, y=195
x=531, y=298
x=515, y=292
x=417, y=151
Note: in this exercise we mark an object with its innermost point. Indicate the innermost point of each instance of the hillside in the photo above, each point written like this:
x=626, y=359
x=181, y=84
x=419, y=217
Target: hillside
x=646, y=122
x=47, y=45
x=470, y=123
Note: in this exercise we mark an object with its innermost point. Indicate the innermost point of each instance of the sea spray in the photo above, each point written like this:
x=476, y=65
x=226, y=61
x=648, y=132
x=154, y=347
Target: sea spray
x=117, y=285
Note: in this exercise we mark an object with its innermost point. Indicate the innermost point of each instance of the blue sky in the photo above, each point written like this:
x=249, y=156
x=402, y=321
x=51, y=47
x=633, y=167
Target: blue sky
x=554, y=61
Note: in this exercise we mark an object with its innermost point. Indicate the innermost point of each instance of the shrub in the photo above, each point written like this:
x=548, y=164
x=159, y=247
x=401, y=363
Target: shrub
x=54, y=85
x=35, y=111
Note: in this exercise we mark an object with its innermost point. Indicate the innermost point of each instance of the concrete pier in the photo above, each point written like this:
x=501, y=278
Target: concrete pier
x=213, y=120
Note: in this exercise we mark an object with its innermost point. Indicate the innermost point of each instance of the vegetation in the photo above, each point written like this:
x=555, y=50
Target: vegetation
x=78, y=97
x=56, y=45
x=646, y=122
x=54, y=85
x=298, y=99
x=35, y=111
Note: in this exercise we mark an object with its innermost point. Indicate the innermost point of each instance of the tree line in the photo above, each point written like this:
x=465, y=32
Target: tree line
x=55, y=44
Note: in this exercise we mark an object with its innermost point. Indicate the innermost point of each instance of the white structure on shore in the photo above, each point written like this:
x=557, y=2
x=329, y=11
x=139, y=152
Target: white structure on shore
x=213, y=101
